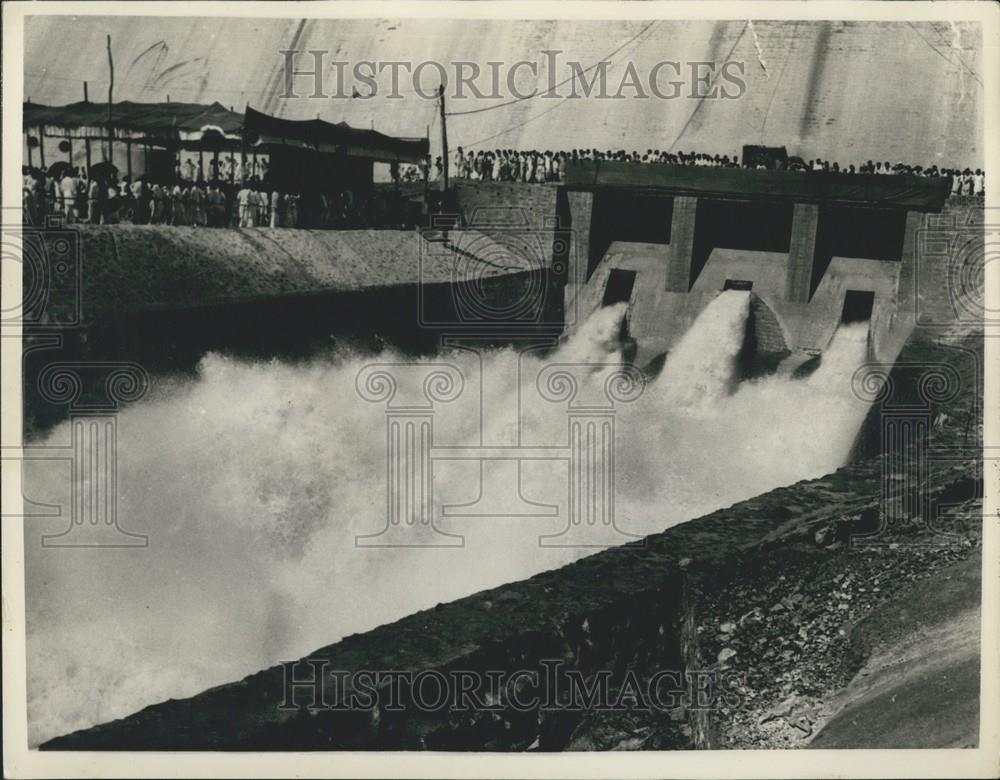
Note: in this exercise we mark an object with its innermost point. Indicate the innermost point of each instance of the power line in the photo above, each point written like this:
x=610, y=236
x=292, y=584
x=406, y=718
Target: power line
x=777, y=83
x=943, y=55
x=530, y=119
x=701, y=101
x=516, y=126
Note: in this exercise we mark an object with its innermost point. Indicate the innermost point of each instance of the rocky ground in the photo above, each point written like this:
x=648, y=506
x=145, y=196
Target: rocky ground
x=799, y=630
x=836, y=610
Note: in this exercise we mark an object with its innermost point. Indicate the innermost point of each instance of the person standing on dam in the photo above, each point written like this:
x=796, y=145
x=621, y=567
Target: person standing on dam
x=216, y=208
x=197, y=204
x=243, y=202
x=157, y=207
x=93, y=195
x=277, y=206
x=176, y=205
x=67, y=194
x=258, y=205
x=138, y=191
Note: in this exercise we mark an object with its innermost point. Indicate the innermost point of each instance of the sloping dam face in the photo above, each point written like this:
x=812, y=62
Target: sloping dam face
x=923, y=77
x=164, y=296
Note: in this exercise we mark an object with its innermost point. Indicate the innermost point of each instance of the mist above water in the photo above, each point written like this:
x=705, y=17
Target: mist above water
x=253, y=481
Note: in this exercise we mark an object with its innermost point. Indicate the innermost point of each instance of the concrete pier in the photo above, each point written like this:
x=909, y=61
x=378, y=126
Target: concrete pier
x=800, y=253
x=681, y=244
x=802, y=243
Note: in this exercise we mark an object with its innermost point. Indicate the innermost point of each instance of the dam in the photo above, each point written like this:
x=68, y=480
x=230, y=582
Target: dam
x=556, y=253
x=203, y=301
x=494, y=449
x=813, y=253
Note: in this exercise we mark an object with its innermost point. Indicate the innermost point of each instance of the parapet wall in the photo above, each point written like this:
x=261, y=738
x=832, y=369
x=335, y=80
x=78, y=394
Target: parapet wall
x=520, y=216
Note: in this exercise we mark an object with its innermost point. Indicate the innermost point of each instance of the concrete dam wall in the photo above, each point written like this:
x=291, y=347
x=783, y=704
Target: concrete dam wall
x=164, y=296
x=126, y=268
x=809, y=266
x=553, y=253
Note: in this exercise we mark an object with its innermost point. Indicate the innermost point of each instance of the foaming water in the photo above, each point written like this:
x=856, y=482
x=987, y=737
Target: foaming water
x=254, y=480
x=706, y=356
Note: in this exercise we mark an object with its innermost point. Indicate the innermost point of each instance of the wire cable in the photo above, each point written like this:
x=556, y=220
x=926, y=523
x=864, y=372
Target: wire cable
x=605, y=59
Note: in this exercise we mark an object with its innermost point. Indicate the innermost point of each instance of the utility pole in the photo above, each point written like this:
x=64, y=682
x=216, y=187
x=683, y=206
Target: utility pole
x=444, y=139
x=86, y=98
x=111, y=88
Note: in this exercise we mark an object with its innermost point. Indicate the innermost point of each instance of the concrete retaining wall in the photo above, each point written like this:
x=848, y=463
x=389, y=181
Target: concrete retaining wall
x=121, y=268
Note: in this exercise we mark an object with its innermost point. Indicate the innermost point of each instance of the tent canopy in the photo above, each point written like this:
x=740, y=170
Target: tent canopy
x=196, y=122
x=152, y=118
x=318, y=134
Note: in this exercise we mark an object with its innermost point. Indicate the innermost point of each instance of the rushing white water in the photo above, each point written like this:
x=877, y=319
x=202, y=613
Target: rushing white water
x=254, y=479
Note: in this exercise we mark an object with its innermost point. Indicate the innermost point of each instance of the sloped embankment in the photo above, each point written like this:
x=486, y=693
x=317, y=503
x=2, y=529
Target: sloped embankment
x=794, y=616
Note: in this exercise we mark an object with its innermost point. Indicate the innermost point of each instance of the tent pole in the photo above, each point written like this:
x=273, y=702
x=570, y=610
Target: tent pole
x=111, y=87
x=444, y=140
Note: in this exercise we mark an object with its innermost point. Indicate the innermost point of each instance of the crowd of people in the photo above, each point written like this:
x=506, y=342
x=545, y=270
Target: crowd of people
x=194, y=202
x=512, y=165
x=240, y=197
